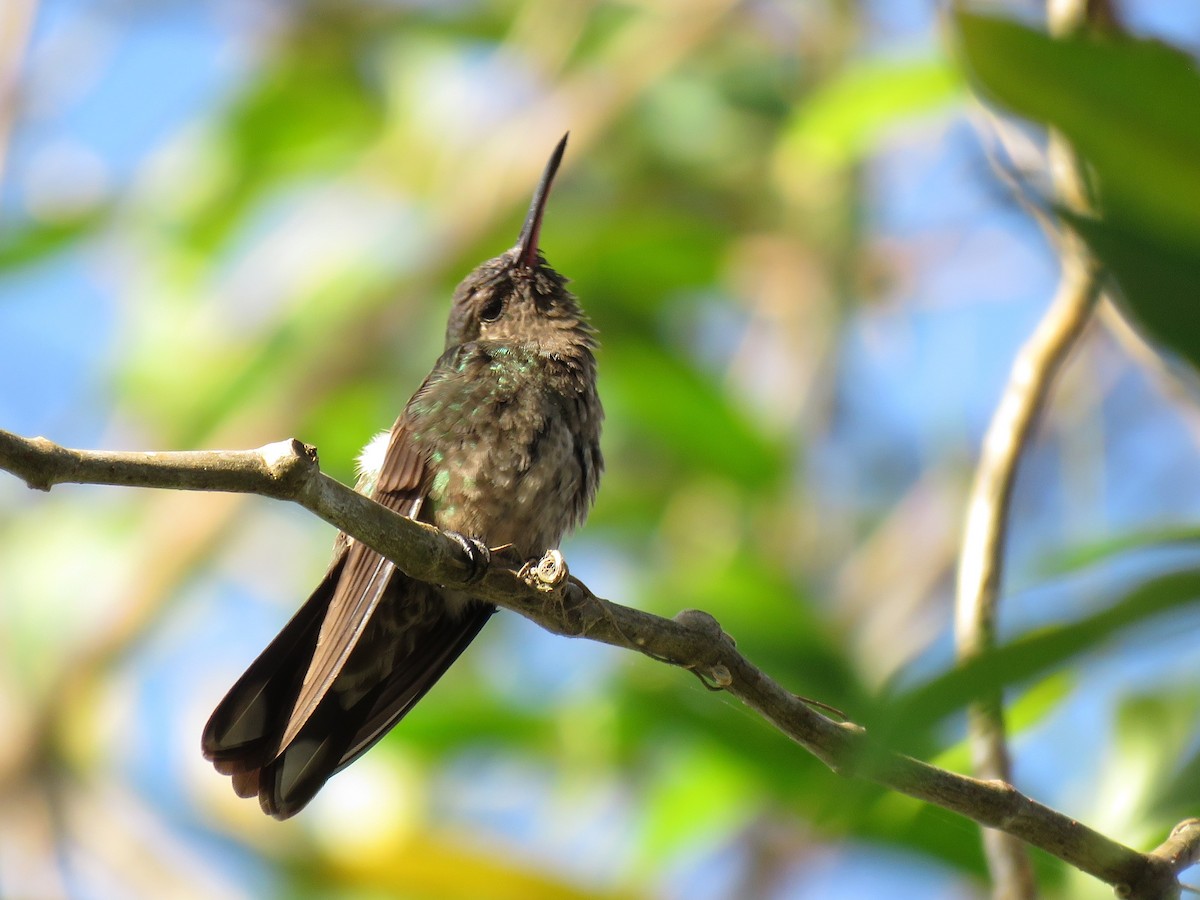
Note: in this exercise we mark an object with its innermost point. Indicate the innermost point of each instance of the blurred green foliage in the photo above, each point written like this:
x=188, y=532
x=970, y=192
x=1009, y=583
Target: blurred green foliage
x=1120, y=103
x=284, y=268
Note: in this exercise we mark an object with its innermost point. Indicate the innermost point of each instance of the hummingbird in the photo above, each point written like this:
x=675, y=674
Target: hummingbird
x=500, y=446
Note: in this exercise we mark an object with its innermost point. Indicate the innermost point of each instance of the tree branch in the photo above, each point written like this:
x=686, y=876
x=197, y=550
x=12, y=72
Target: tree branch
x=693, y=640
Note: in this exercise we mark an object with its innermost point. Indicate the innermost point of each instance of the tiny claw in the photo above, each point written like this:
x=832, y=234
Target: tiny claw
x=546, y=574
x=823, y=707
x=479, y=557
x=506, y=554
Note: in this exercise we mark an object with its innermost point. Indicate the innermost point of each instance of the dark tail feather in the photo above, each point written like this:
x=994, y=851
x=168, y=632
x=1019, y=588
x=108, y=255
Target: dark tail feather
x=243, y=732
x=245, y=784
x=334, y=737
x=401, y=692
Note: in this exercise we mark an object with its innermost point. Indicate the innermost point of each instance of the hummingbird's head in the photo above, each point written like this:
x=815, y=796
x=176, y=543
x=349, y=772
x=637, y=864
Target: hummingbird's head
x=517, y=296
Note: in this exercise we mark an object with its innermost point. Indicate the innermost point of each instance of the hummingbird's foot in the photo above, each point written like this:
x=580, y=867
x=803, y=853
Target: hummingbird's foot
x=546, y=574
x=479, y=557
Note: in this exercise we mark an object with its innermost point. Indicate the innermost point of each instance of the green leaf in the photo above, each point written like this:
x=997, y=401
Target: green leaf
x=1022, y=712
x=1176, y=789
x=1093, y=553
x=1029, y=656
x=1128, y=106
x=1158, y=275
x=39, y=240
x=845, y=117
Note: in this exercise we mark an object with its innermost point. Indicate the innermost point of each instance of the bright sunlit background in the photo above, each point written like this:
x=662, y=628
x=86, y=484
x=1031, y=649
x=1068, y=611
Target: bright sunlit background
x=229, y=222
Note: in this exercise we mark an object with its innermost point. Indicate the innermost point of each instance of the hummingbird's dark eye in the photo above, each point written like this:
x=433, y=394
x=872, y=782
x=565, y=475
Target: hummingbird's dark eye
x=492, y=309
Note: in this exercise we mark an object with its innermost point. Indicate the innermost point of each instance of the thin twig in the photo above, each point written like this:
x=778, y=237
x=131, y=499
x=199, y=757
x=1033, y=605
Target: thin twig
x=982, y=557
x=693, y=640
x=980, y=562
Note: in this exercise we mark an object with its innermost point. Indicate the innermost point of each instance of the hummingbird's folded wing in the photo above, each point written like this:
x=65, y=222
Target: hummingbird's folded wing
x=442, y=642
x=364, y=579
x=245, y=730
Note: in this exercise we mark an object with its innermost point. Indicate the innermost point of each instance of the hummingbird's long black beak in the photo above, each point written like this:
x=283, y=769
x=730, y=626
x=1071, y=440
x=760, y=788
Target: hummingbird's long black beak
x=527, y=243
